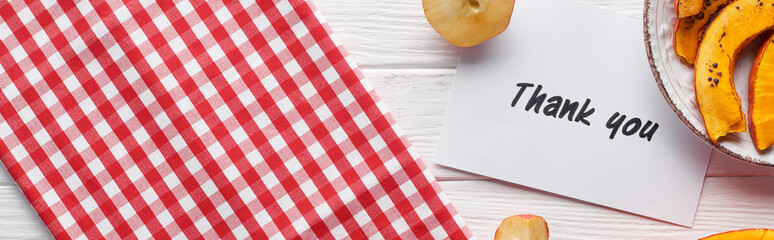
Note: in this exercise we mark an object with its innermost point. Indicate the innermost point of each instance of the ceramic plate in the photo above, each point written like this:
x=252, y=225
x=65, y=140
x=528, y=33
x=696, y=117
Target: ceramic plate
x=675, y=79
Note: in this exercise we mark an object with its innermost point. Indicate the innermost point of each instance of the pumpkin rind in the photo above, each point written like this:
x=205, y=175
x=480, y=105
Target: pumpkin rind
x=690, y=30
x=686, y=8
x=761, y=96
x=757, y=234
x=729, y=32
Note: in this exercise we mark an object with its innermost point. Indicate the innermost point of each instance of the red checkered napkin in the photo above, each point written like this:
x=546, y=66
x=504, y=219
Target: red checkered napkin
x=203, y=119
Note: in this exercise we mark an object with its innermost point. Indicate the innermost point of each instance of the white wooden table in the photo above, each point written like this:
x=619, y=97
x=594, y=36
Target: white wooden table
x=412, y=69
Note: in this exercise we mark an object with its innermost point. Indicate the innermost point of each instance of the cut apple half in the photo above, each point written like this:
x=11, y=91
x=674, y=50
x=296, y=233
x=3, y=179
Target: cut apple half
x=522, y=227
x=466, y=23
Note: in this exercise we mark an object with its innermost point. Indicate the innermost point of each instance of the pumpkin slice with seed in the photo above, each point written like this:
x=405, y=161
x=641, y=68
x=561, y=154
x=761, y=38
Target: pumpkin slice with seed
x=734, y=27
x=690, y=30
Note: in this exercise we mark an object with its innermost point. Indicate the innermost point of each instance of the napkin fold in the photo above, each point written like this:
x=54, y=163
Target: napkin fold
x=216, y=119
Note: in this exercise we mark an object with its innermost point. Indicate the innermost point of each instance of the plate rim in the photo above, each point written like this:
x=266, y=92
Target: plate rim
x=678, y=112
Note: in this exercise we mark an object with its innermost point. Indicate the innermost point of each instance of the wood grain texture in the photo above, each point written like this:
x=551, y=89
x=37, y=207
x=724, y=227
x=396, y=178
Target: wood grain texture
x=17, y=219
x=395, y=33
x=412, y=69
x=727, y=203
x=5, y=178
x=388, y=34
x=722, y=165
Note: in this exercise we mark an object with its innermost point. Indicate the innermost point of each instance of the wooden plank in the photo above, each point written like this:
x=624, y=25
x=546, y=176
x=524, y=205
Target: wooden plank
x=17, y=218
x=388, y=34
x=727, y=203
x=5, y=178
x=723, y=165
x=417, y=98
x=395, y=33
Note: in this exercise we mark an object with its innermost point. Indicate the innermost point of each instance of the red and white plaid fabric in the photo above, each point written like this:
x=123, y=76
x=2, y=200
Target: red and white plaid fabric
x=203, y=119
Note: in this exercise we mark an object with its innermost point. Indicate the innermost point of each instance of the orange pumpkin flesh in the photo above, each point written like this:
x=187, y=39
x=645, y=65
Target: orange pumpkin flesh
x=690, y=30
x=748, y=234
x=686, y=8
x=761, y=96
x=731, y=30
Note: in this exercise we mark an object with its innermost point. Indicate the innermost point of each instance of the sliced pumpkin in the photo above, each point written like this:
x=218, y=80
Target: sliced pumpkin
x=686, y=8
x=761, y=96
x=690, y=30
x=751, y=234
x=725, y=37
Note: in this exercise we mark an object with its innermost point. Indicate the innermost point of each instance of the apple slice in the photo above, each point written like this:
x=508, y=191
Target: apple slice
x=751, y=234
x=466, y=23
x=522, y=227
